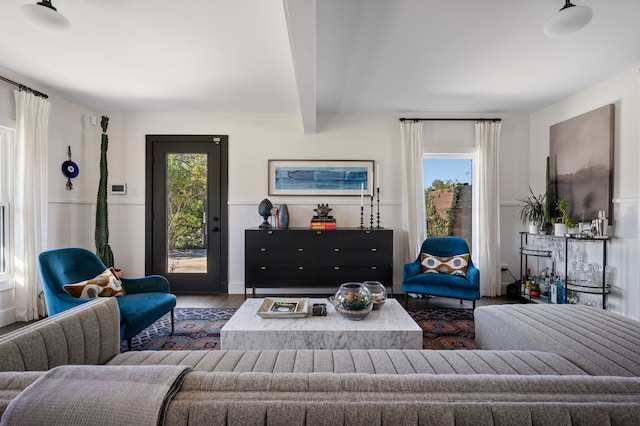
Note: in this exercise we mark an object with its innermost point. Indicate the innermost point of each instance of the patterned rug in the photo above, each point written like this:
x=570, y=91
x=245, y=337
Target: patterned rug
x=199, y=329
x=446, y=328
x=195, y=329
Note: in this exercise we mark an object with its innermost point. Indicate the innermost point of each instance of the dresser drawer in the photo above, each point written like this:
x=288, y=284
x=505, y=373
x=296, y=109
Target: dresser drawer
x=305, y=258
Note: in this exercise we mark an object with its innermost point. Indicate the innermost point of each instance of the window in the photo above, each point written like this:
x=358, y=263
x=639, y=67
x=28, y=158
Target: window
x=6, y=179
x=448, y=184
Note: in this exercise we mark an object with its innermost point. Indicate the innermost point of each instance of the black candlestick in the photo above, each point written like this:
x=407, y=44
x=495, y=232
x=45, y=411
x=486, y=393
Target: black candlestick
x=378, y=201
x=361, y=217
x=371, y=218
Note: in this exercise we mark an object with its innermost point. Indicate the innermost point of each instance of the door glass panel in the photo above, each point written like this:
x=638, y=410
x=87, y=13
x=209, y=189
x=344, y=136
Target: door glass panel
x=186, y=213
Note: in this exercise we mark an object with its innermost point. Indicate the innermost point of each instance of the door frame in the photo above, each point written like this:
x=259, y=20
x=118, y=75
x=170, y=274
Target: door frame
x=224, y=198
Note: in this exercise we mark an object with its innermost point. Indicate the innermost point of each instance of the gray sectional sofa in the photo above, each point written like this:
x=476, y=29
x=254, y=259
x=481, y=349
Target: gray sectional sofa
x=76, y=354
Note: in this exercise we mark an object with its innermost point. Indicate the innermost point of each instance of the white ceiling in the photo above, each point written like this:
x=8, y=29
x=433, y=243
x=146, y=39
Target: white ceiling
x=308, y=56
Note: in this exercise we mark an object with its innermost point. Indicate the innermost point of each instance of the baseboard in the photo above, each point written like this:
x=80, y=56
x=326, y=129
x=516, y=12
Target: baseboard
x=8, y=316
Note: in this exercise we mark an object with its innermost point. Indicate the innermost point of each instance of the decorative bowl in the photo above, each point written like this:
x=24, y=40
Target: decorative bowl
x=353, y=301
x=378, y=293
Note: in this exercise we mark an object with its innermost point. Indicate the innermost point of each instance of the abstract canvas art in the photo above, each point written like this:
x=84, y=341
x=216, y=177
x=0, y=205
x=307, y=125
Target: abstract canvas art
x=581, y=163
x=320, y=177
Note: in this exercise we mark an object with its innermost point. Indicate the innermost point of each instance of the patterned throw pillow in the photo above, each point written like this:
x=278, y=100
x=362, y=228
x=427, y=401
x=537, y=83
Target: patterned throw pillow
x=104, y=285
x=455, y=265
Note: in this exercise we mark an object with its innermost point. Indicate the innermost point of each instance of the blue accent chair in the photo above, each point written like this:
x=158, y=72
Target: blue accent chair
x=443, y=285
x=147, y=298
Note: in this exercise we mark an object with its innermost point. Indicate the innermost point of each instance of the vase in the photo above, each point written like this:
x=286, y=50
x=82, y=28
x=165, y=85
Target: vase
x=378, y=293
x=353, y=301
x=283, y=217
x=559, y=229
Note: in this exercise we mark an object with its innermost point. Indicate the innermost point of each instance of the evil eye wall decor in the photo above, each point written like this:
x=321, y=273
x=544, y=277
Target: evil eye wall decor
x=70, y=169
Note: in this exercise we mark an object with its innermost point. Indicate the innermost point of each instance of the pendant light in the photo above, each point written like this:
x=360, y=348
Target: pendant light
x=568, y=20
x=45, y=17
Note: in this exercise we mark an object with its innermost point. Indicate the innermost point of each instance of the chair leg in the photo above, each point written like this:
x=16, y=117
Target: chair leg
x=129, y=344
x=474, y=305
x=172, y=321
x=406, y=300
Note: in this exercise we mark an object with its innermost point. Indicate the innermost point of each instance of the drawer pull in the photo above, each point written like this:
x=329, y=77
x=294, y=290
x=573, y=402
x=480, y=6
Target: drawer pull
x=336, y=249
x=318, y=232
x=262, y=249
x=367, y=232
x=300, y=268
x=337, y=268
x=373, y=268
x=269, y=232
x=263, y=268
x=300, y=249
x=374, y=250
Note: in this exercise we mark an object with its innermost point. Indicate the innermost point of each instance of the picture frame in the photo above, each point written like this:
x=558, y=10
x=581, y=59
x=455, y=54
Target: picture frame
x=321, y=177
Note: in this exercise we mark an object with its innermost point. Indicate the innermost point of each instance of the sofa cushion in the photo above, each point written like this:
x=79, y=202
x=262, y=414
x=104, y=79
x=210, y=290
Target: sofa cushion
x=86, y=334
x=598, y=341
x=104, y=285
x=454, y=265
x=362, y=361
x=355, y=399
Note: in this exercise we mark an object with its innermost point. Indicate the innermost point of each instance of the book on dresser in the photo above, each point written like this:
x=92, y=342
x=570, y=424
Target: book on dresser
x=304, y=258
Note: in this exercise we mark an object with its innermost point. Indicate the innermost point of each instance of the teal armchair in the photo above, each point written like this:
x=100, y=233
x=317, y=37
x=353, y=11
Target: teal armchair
x=442, y=284
x=146, y=300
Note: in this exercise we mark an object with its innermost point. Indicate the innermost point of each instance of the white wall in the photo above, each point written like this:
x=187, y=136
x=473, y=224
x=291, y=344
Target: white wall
x=623, y=91
x=255, y=138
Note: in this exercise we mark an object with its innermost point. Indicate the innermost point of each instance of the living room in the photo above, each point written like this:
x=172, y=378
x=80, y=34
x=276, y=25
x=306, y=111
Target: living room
x=259, y=135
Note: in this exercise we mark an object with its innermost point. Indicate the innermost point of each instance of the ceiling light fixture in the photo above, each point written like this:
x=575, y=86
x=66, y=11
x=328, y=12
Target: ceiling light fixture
x=568, y=20
x=44, y=16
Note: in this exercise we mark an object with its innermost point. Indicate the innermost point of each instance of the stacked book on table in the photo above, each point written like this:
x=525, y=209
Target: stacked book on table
x=322, y=223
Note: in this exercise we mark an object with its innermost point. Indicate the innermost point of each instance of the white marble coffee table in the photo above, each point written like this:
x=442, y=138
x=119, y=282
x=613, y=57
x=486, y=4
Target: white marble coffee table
x=390, y=327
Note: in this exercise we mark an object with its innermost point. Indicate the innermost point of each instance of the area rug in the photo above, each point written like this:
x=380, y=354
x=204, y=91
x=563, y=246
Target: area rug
x=199, y=329
x=446, y=328
x=195, y=329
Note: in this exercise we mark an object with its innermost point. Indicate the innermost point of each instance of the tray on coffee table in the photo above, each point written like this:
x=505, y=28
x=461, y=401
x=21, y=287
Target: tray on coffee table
x=284, y=307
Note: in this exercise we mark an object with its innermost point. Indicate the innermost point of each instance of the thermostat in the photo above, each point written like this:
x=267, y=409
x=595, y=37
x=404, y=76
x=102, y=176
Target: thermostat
x=119, y=188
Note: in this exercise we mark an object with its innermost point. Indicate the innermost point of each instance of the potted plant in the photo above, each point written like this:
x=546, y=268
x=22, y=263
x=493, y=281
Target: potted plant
x=563, y=223
x=103, y=250
x=533, y=211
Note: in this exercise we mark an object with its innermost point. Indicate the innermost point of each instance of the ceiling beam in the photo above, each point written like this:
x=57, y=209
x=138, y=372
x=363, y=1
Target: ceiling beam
x=301, y=26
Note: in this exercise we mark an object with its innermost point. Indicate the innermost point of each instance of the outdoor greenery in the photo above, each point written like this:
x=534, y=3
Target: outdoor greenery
x=187, y=198
x=441, y=224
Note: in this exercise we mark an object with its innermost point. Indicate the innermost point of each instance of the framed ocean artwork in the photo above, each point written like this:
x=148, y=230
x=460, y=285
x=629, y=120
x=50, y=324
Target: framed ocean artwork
x=321, y=177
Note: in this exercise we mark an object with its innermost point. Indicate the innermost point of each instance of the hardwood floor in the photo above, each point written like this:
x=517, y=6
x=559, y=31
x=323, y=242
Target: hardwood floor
x=235, y=300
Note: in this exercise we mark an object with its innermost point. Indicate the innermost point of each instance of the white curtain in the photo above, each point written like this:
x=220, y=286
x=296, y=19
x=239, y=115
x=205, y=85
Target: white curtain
x=413, y=214
x=32, y=124
x=488, y=142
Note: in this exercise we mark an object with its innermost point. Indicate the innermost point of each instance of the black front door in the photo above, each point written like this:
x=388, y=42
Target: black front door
x=186, y=211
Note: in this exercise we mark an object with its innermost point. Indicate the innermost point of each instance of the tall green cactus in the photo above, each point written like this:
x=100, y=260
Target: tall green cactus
x=103, y=250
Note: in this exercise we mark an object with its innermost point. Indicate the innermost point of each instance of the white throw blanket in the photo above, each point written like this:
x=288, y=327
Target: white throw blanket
x=97, y=395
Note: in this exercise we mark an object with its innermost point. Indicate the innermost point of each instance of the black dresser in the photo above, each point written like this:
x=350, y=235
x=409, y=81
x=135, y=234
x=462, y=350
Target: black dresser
x=301, y=258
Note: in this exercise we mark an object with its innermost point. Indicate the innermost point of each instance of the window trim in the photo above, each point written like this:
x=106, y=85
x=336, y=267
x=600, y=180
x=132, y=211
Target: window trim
x=7, y=134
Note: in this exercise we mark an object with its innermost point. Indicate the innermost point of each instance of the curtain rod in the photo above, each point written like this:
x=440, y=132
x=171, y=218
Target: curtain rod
x=451, y=119
x=23, y=87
